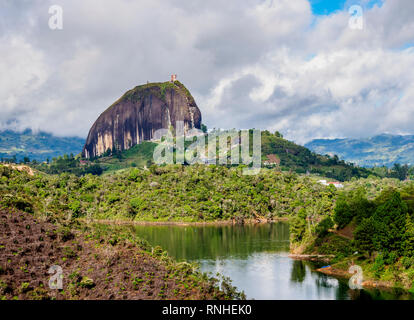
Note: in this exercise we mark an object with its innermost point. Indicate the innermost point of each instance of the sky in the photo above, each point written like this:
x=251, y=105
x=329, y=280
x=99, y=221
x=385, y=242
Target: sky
x=296, y=66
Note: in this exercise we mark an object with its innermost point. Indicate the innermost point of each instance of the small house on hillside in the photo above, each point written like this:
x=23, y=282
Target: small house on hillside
x=334, y=183
x=272, y=160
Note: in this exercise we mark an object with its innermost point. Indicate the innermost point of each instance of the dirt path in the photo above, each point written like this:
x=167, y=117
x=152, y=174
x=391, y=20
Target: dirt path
x=347, y=232
x=19, y=167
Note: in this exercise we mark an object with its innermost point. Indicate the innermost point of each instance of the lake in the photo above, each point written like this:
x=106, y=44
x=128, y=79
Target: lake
x=256, y=258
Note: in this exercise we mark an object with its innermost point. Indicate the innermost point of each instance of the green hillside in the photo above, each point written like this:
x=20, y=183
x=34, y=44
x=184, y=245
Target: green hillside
x=292, y=157
x=302, y=160
x=139, y=155
x=42, y=146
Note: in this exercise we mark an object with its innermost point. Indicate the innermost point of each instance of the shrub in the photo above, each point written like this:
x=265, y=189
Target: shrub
x=136, y=205
x=94, y=169
x=113, y=197
x=391, y=257
x=378, y=266
x=135, y=175
x=88, y=197
x=323, y=227
x=407, y=262
x=352, y=205
x=342, y=213
x=297, y=229
x=75, y=206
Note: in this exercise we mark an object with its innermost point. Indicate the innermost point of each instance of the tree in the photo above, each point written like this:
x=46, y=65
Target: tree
x=323, y=227
x=399, y=171
x=364, y=234
x=342, y=212
x=297, y=229
x=278, y=134
x=390, y=220
x=352, y=205
x=409, y=237
x=94, y=169
x=107, y=153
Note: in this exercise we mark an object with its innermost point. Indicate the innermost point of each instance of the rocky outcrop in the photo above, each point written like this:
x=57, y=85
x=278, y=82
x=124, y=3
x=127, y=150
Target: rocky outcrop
x=138, y=114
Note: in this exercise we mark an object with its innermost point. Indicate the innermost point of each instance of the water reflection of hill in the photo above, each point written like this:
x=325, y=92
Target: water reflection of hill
x=211, y=242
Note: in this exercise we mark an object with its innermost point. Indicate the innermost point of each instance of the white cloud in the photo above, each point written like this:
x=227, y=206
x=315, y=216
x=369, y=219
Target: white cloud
x=264, y=64
x=23, y=71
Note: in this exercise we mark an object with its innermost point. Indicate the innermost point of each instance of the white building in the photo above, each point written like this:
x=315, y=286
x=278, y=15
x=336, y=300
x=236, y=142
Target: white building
x=336, y=184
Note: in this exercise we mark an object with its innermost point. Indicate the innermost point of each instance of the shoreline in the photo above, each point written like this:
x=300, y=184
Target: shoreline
x=367, y=283
x=183, y=223
x=312, y=257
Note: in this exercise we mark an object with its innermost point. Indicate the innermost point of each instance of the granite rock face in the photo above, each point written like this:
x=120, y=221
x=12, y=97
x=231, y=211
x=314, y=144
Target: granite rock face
x=138, y=114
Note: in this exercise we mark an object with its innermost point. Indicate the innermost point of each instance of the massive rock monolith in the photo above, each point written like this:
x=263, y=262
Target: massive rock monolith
x=138, y=114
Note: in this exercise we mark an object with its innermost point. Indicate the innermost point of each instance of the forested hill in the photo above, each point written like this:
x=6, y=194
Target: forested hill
x=290, y=157
x=301, y=160
x=40, y=146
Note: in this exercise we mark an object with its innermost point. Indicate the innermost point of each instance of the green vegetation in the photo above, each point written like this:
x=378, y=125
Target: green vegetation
x=401, y=172
x=374, y=223
x=370, y=221
x=137, y=156
x=292, y=158
x=140, y=156
x=69, y=164
x=159, y=89
x=302, y=160
x=168, y=193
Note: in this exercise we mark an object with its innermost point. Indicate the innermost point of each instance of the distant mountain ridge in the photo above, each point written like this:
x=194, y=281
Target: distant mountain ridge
x=37, y=146
x=380, y=150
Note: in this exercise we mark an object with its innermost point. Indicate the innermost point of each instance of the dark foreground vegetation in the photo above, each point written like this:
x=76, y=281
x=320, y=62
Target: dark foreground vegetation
x=97, y=263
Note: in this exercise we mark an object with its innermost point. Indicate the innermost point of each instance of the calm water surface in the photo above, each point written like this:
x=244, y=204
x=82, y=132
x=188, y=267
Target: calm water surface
x=256, y=258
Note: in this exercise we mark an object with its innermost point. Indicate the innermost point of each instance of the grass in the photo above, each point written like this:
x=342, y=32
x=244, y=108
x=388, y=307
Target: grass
x=138, y=156
x=158, y=89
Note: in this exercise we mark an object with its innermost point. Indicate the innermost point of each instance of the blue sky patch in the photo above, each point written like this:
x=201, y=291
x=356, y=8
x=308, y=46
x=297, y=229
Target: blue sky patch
x=326, y=7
